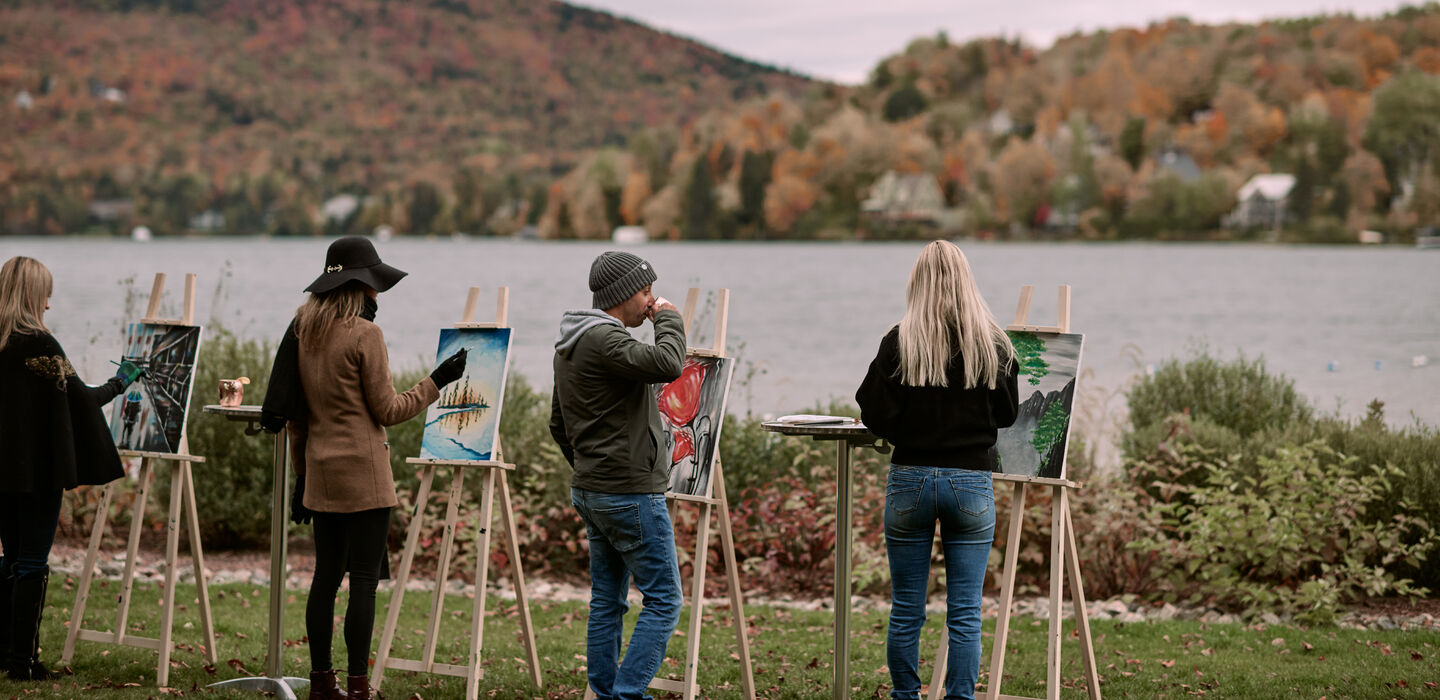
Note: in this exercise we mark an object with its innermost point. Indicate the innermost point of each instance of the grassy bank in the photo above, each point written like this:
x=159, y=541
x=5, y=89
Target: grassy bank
x=791, y=650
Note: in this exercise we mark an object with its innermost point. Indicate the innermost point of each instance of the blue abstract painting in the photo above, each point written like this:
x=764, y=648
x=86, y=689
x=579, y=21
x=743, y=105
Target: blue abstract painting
x=462, y=424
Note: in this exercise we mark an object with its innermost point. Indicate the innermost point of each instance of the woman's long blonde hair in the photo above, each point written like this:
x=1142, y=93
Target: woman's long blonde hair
x=25, y=287
x=320, y=313
x=942, y=307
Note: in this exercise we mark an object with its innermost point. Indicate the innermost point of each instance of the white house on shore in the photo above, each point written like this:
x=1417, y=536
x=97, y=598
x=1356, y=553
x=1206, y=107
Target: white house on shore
x=1262, y=202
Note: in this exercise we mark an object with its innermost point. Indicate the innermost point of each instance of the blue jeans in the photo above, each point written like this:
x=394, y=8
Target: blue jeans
x=630, y=535
x=964, y=503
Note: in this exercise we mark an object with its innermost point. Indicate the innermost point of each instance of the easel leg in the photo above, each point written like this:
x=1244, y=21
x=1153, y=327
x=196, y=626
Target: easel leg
x=197, y=556
x=732, y=574
x=1077, y=596
x=442, y=569
x=482, y=580
x=97, y=532
x=1057, y=582
x=527, y=628
x=397, y=596
x=172, y=552
x=1007, y=589
x=132, y=550
x=697, y=603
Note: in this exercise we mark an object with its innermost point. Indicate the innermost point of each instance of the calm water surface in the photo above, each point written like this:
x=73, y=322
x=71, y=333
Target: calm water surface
x=806, y=317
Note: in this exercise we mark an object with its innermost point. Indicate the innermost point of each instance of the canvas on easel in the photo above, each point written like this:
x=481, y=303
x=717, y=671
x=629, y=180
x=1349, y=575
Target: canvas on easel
x=1046, y=353
x=465, y=424
x=692, y=411
x=150, y=416
x=166, y=349
x=692, y=408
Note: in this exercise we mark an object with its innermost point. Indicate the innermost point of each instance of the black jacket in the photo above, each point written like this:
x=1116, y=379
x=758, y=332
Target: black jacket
x=52, y=433
x=603, y=413
x=935, y=426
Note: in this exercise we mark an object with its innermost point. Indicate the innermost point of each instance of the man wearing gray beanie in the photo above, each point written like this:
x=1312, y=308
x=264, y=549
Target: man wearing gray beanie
x=604, y=416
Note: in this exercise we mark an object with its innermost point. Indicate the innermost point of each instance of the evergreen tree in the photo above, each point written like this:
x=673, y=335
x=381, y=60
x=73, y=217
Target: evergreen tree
x=754, y=177
x=700, y=208
x=904, y=103
x=1132, y=141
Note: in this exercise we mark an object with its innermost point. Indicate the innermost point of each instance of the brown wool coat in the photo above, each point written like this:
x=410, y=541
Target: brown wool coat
x=343, y=451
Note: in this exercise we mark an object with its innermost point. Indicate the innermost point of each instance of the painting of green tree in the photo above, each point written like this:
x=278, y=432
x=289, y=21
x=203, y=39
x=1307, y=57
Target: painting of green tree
x=1035, y=444
x=1030, y=353
x=1051, y=431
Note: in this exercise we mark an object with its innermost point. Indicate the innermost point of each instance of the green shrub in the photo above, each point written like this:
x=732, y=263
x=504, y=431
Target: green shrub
x=1238, y=395
x=232, y=486
x=1298, y=537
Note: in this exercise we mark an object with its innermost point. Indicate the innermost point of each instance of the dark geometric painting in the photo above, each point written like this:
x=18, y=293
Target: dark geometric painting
x=150, y=415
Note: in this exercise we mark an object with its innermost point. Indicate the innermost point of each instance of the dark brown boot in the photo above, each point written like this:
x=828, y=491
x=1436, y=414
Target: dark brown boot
x=323, y=687
x=358, y=687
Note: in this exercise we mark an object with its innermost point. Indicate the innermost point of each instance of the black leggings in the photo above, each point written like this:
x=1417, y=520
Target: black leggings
x=353, y=542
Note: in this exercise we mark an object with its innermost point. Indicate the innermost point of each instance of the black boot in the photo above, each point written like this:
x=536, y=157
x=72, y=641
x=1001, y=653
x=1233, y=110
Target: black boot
x=27, y=604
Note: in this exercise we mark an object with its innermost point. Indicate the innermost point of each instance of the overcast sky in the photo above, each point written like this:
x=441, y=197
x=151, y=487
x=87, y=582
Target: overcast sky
x=842, y=40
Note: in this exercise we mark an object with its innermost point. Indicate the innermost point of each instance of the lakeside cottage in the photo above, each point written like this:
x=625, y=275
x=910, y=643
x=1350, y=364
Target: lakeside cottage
x=1262, y=202
x=904, y=197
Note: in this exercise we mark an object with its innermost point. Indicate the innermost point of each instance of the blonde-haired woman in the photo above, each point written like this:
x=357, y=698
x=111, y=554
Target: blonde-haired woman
x=53, y=437
x=942, y=384
x=331, y=387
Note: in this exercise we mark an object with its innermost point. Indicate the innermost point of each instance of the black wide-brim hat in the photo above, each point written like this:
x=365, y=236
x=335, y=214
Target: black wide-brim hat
x=354, y=258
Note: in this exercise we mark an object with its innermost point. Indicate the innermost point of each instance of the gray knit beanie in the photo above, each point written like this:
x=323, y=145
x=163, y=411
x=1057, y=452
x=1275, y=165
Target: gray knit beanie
x=616, y=276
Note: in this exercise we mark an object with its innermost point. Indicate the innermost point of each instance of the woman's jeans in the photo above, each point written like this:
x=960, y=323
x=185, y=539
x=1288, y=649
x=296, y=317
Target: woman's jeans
x=630, y=535
x=963, y=501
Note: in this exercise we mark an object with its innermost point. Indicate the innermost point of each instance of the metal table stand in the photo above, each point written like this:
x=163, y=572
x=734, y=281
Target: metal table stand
x=847, y=435
x=274, y=681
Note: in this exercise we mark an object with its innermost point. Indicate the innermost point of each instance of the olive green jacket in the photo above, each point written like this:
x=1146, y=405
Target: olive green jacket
x=603, y=411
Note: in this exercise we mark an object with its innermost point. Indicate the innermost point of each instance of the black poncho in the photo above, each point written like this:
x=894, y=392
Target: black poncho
x=52, y=433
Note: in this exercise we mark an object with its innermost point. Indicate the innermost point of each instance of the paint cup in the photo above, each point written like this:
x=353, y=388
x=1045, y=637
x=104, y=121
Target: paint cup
x=232, y=391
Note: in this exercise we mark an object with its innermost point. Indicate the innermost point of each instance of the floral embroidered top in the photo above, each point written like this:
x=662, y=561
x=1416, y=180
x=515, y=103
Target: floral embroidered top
x=53, y=434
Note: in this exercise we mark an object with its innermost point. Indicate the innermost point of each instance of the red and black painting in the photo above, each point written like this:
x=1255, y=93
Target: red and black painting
x=692, y=409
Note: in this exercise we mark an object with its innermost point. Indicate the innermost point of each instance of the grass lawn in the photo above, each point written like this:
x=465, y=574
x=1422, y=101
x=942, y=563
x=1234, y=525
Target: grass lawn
x=791, y=651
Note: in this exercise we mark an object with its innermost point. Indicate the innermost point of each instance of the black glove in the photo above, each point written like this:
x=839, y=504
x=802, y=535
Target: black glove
x=299, y=514
x=450, y=369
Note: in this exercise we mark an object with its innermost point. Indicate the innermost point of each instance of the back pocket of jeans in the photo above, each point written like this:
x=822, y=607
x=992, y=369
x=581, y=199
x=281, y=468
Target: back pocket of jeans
x=903, y=499
x=972, y=501
x=621, y=526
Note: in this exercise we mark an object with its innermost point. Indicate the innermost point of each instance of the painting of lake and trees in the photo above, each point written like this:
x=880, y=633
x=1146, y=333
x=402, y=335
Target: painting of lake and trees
x=462, y=424
x=1035, y=444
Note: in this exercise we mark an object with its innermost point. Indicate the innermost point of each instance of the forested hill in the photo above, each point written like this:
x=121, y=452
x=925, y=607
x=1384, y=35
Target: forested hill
x=370, y=95
x=1139, y=132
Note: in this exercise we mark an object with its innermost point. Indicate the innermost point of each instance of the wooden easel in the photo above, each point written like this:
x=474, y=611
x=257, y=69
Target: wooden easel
x=689, y=687
x=1063, y=553
x=182, y=494
x=494, y=471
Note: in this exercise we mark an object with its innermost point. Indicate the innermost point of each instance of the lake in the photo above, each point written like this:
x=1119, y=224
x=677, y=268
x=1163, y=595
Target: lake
x=805, y=318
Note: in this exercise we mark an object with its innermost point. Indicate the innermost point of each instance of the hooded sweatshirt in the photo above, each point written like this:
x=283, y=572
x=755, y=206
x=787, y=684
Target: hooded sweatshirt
x=603, y=412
